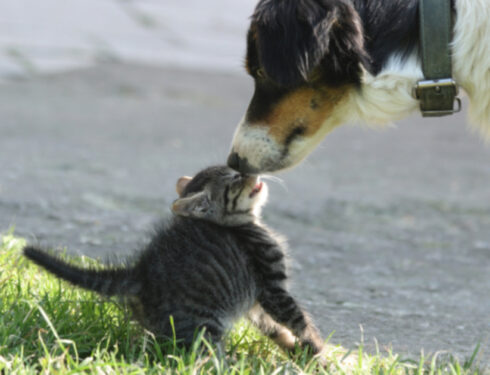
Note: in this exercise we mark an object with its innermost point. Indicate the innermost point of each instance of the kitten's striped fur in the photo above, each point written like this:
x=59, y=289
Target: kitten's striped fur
x=212, y=263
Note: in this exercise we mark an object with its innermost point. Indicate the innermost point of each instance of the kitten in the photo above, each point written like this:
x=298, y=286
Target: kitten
x=212, y=263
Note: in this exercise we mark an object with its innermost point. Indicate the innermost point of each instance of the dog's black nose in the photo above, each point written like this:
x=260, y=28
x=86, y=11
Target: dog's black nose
x=234, y=161
x=240, y=165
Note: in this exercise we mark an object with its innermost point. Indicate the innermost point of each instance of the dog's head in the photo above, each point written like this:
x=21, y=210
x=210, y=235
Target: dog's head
x=305, y=57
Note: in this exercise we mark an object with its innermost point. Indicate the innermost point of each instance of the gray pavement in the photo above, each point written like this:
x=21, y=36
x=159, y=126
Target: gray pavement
x=389, y=230
x=54, y=35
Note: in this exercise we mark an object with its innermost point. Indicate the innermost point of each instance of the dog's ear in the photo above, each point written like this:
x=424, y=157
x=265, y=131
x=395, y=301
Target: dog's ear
x=294, y=37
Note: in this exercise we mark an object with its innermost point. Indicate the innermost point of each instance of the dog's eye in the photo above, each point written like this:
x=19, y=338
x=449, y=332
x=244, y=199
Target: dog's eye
x=260, y=73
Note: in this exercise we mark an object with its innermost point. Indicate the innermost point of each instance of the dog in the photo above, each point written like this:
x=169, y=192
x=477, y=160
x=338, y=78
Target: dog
x=320, y=63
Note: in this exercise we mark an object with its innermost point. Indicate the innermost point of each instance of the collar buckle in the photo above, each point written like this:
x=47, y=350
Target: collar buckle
x=437, y=97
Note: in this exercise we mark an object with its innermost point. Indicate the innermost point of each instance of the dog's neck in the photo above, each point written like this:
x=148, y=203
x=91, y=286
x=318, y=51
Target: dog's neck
x=386, y=97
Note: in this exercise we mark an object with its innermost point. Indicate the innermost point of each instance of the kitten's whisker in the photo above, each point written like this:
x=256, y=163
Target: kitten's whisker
x=272, y=178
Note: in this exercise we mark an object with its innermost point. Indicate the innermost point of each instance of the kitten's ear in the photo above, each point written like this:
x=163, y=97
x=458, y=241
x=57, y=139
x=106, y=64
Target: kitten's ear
x=181, y=184
x=196, y=205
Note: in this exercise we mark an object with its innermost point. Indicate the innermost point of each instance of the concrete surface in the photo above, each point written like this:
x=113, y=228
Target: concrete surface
x=388, y=229
x=53, y=35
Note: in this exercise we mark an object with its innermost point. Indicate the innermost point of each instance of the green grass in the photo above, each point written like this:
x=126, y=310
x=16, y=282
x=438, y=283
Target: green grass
x=48, y=327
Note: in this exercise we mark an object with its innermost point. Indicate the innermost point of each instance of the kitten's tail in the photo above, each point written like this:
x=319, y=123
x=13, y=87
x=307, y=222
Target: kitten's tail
x=109, y=282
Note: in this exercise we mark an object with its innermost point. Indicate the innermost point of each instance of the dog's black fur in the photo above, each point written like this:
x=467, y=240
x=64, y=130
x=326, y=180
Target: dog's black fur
x=390, y=26
x=325, y=42
x=295, y=36
x=292, y=39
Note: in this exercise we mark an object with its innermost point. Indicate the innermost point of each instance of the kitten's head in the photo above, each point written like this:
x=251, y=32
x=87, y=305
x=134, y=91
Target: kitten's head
x=221, y=195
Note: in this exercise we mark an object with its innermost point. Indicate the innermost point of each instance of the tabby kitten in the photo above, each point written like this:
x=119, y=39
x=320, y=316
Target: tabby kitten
x=212, y=263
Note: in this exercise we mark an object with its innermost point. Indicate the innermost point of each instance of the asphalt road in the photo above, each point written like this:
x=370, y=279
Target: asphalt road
x=389, y=230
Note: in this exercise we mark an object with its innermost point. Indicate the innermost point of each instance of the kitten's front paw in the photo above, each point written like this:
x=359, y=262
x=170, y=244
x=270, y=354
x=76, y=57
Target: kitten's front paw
x=316, y=348
x=315, y=345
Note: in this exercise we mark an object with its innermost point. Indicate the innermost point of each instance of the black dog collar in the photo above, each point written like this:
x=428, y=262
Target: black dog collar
x=438, y=91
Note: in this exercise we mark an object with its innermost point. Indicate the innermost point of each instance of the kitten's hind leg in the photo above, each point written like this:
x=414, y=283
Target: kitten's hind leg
x=278, y=333
x=279, y=304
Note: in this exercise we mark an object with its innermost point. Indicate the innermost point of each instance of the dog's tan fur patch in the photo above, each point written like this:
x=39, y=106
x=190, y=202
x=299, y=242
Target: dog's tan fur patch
x=305, y=107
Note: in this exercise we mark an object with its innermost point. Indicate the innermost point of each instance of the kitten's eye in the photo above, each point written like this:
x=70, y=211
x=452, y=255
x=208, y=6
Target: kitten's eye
x=260, y=73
